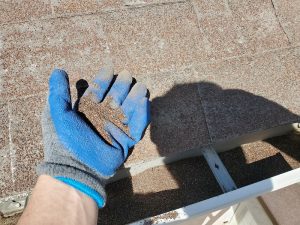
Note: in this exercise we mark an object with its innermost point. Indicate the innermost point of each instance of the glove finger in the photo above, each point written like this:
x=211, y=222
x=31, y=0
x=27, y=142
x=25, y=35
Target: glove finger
x=138, y=92
x=59, y=92
x=119, y=138
x=102, y=81
x=120, y=88
x=140, y=119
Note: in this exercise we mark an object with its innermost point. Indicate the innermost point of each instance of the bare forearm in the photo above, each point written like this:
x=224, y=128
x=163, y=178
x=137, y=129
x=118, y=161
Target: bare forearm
x=53, y=202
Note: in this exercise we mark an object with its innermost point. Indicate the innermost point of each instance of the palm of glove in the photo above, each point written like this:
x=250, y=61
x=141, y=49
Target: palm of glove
x=78, y=139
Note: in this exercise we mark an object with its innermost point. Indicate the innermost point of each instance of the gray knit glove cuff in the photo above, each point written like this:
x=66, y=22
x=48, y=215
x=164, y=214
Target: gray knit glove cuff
x=64, y=171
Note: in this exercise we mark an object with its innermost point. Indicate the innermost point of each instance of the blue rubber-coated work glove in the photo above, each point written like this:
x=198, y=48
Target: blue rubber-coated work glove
x=74, y=152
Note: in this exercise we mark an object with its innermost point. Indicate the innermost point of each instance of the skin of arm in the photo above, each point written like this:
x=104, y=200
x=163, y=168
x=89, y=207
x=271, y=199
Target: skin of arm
x=53, y=202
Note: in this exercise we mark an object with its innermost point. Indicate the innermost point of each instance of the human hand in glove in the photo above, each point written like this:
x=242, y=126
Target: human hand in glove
x=74, y=153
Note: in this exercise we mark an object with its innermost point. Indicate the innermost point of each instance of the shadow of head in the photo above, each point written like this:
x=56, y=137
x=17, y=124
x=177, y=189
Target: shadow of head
x=179, y=122
x=189, y=115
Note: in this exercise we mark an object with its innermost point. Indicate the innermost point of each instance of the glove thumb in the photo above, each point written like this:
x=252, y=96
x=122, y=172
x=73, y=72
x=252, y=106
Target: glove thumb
x=59, y=92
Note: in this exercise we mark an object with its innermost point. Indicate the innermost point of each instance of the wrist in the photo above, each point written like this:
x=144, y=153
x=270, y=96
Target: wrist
x=52, y=197
x=93, y=194
x=63, y=191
